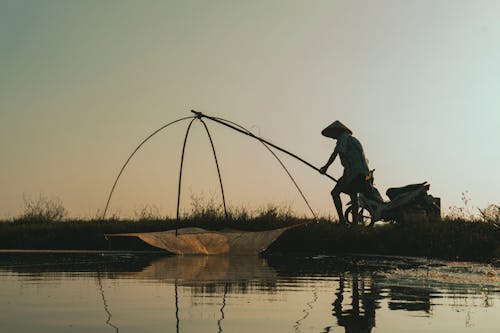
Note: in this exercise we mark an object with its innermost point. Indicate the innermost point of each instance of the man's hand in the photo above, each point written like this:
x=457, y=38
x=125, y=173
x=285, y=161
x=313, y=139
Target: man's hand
x=323, y=169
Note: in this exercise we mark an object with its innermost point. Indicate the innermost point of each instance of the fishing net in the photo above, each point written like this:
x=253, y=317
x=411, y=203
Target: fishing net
x=201, y=241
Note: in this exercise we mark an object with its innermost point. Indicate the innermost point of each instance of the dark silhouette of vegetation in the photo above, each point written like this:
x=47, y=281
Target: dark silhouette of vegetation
x=448, y=239
x=42, y=226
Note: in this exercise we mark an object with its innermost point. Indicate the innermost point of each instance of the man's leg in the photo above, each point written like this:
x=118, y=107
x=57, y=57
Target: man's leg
x=355, y=208
x=338, y=203
x=359, y=184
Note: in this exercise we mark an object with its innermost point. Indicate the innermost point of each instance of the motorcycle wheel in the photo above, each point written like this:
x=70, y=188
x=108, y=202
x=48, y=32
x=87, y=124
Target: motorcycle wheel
x=364, y=217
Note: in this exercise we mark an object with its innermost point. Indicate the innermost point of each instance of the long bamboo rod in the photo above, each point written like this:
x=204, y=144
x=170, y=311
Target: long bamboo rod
x=202, y=115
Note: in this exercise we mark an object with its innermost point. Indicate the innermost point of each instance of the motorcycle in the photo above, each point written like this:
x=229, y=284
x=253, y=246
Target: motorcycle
x=409, y=203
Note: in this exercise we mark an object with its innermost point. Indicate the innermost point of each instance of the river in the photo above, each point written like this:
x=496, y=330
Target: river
x=150, y=292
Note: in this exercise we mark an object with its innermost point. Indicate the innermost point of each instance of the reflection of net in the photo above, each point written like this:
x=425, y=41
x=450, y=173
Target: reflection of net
x=207, y=270
x=201, y=241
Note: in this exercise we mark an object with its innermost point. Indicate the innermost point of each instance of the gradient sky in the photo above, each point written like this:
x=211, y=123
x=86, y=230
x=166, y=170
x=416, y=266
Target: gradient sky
x=82, y=82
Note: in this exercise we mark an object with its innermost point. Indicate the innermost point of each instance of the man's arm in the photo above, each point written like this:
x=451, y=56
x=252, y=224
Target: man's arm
x=323, y=169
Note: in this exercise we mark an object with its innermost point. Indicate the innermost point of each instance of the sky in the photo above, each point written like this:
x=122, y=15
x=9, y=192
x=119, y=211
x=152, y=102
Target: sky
x=83, y=82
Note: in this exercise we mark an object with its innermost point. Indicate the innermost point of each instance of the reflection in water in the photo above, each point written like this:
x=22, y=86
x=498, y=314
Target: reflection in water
x=39, y=264
x=306, y=311
x=177, y=321
x=246, y=294
x=209, y=275
x=219, y=322
x=105, y=303
x=200, y=270
x=361, y=315
x=410, y=299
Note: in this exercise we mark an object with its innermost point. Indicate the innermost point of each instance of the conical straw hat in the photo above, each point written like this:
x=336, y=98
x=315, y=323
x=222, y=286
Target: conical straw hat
x=334, y=130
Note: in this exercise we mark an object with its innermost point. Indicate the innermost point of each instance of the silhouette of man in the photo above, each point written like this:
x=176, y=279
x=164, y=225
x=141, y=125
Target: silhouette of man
x=352, y=157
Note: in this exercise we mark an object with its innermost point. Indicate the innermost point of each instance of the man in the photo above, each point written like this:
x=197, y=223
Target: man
x=352, y=157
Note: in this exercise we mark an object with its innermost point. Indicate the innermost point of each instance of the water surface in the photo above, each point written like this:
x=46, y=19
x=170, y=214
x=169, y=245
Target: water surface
x=119, y=292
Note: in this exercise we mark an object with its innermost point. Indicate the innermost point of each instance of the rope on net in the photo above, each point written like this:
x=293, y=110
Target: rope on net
x=180, y=174
x=267, y=144
x=279, y=161
x=217, y=165
x=181, y=167
x=199, y=114
x=131, y=155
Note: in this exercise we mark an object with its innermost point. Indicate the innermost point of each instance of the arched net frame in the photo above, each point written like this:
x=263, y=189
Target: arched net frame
x=227, y=123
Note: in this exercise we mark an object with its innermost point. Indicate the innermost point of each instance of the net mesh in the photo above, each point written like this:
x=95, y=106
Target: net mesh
x=201, y=241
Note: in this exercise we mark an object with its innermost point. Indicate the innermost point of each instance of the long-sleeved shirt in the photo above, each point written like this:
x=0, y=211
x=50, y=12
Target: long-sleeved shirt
x=351, y=156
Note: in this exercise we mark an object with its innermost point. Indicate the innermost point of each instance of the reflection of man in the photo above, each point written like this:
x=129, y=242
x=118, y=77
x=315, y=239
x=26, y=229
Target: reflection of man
x=361, y=317
x=352, y=157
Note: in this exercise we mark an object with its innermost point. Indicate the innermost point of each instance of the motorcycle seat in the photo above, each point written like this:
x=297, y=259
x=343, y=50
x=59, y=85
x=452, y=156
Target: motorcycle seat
x=395, y=191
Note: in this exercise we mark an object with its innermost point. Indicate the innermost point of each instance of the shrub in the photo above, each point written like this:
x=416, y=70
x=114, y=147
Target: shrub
x=148, y=213
x=202, y=209
x=491, y=213
x=42, y=209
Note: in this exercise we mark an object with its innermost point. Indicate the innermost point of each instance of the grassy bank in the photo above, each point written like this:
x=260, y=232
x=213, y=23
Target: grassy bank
x=449, y=239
